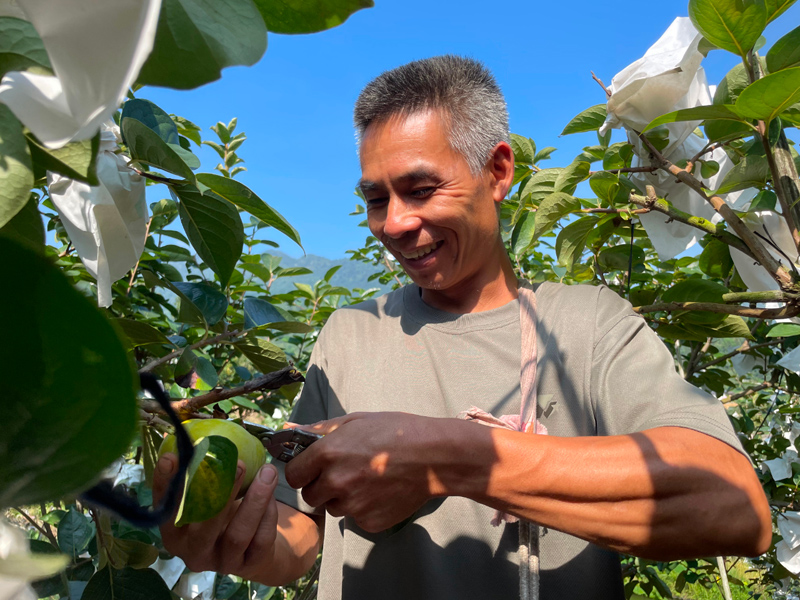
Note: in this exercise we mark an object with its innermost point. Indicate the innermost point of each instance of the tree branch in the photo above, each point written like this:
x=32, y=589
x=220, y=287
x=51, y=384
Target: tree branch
x=742, y=311
x=627, y=170
x=665, y=208
x=759, y=252
x=268, y=381
x=747, y=392
x=48, y=534
x=602, y=85
x=745, y=347
x=784, y=173
x=155, y=421
x=204, y=342
x=156, y=178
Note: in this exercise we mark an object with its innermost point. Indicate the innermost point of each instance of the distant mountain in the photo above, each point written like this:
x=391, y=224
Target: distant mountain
x=353, y=274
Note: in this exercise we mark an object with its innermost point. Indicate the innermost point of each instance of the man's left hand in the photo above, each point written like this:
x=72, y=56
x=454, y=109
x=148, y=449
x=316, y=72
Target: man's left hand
x=374, y=467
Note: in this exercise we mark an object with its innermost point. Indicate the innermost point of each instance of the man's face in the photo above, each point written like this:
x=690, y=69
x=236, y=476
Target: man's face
x=423, y=203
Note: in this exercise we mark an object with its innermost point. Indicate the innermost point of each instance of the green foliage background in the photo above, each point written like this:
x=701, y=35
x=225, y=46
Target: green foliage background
x=212, y=305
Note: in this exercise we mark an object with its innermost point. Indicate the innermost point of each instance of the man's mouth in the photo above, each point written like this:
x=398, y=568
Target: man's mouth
x=418, y=253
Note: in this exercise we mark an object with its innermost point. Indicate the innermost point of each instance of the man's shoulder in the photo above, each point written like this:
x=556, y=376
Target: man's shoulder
x=597, y=304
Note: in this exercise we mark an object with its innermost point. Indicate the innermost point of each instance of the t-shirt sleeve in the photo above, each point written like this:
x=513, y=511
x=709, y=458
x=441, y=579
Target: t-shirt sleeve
x=309, y=408
x=634, y=384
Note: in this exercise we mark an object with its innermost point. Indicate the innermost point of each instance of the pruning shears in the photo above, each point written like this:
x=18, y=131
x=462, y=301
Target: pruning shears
x=282, y=444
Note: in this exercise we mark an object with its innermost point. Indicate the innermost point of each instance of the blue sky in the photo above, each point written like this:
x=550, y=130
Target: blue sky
x=295, y=104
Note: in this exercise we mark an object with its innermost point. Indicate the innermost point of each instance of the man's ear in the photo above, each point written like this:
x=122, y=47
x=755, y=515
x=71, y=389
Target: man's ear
x=500, y=169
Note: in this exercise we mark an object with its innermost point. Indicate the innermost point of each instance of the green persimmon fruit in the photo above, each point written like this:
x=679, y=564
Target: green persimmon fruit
x=251, y=451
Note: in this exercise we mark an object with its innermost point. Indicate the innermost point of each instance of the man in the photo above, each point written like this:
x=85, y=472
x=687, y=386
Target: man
x=636, y=459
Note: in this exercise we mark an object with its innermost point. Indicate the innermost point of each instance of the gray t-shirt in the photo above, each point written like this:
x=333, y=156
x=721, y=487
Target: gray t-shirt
x=601, y=371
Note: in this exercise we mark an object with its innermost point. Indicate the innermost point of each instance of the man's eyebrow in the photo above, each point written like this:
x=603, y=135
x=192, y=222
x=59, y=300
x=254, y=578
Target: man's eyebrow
x=417, y=175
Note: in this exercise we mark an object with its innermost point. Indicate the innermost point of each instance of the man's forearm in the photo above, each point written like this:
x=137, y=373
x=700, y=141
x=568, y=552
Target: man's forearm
x=295, y=550
x=663, y=493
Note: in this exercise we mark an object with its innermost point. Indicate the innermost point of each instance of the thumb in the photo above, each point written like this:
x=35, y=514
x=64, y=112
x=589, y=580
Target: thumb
x=162, y=475
x=328, y=426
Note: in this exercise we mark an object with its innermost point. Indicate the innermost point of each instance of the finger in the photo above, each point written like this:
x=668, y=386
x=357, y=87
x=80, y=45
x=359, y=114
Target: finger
x=243, y=524
x=317, y=493
x=263, y=539
x=306, y=467
x=335, y=508
x=166, y=467
x=331, y=425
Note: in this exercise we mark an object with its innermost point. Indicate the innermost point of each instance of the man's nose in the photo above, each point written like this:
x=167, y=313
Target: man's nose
x=400, y=218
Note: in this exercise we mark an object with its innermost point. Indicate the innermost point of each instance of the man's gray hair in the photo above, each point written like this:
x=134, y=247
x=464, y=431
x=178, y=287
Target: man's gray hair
x=462, y=88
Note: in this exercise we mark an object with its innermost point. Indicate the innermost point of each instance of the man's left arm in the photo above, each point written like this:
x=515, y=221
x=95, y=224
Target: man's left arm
x=662, y=493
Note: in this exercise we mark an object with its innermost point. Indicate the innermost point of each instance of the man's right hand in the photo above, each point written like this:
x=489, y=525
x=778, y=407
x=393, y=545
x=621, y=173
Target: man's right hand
x=255, y=537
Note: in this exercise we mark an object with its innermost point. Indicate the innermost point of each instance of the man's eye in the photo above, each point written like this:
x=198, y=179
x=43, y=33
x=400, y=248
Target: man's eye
x=375, y=202
x=422, y=192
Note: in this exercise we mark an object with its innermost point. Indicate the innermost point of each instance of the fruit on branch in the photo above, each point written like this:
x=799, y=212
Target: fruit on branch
x=251, y=451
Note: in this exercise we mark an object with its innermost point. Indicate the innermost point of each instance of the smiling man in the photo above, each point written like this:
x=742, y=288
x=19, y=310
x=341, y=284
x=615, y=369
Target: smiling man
x=636, y=459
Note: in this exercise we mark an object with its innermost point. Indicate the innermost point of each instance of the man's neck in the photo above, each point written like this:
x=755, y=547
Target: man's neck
x=489, y=289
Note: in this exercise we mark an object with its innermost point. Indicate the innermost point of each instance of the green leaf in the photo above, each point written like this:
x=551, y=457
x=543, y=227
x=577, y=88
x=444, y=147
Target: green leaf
x=616, y=258
x=291, y=16
x=207, y=377
x=769, y=96
x=74, y=532
x=776, y=8
x=126, y=584
x=286, y=327
x=188, y=313
x=184, y=372
x=68, y=413
x=259, y=312
x=784, y=330
x=265, y=356
x=522, y=235
x=76, y=160
x=331, y=272
x=543, y=154
x=572, y=240
x=708, y=168
x=606, y=186
x=140, y=333
x=589, y=120
x=698, y=113
x=553, y=208
x=752, y=171
x=524, y=149
x=293, y=272
x=785, y=53
x=723, y=131
x=733, y=25
x=715, y=259
x=732, y=326
x=159, y=121
x=214, y=228
x=21, y=48
x=16, y=169
x=208, y=299
x=697, y=290
x=539, y=185
x=26, y=226
x=731, y=86
x=764, y=200
x=196, y=39
x=569, y=178
x=243, y=197
x=147, y=147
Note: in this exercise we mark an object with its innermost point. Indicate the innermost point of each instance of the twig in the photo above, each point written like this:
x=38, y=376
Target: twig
x=391, y=270
x=204, y=342
x=66, y=251
x=616, y=211
x=310, y=592
x=665, y=208
x=742, y=311
x=48, y=534
x=158, y=178
x=710, y=147
x=626, y=170
x=155, y=421
x=759, y=252
x=602, y=85
x=747, y=392
x=268, y=381
x=745, y=347
x=781, y=165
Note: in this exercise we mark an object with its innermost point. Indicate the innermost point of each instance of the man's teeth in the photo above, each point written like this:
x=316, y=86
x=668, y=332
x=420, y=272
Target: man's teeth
x=420, y=251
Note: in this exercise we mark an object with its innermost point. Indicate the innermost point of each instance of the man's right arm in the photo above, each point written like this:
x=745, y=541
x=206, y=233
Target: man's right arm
x=256, y=537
